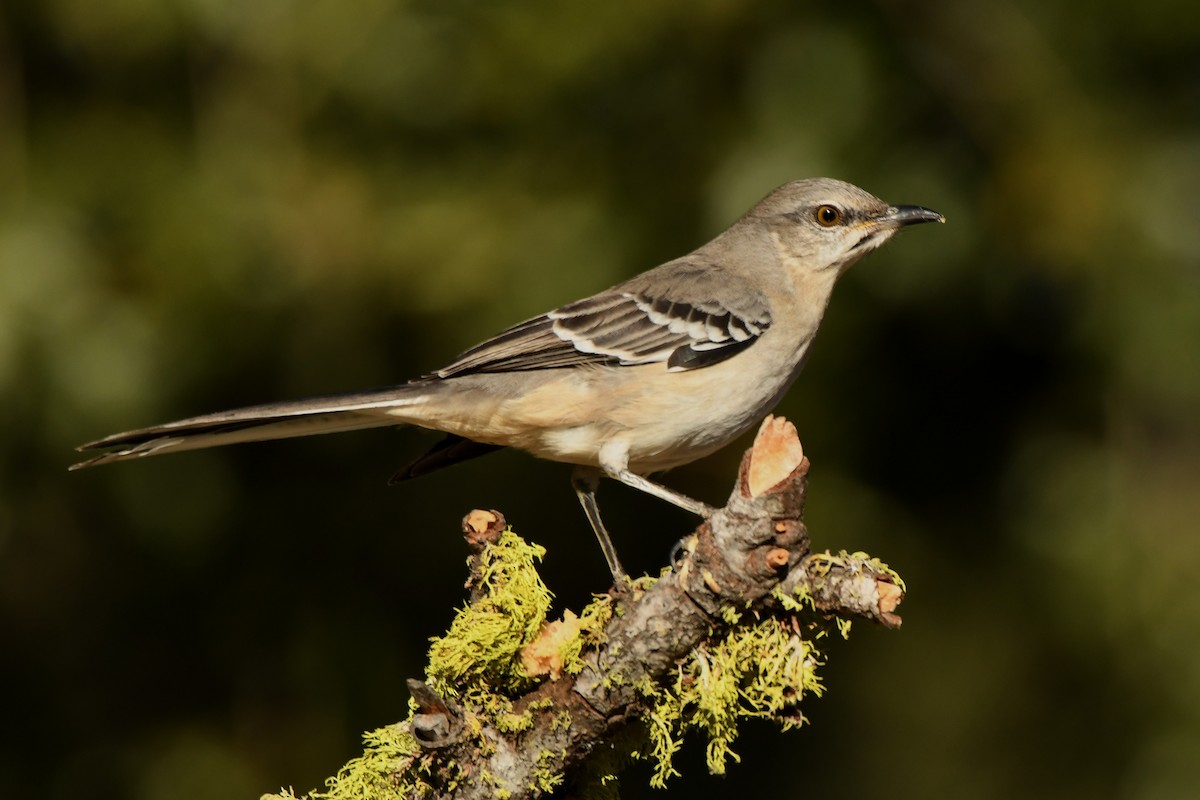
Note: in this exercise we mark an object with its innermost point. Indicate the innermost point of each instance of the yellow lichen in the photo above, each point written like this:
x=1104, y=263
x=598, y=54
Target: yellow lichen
x=482, y=648
x=547, y=775
x=757, y=672
x=761, y=669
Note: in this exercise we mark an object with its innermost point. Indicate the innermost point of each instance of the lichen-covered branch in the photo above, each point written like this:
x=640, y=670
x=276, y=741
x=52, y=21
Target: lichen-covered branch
x=516, y=706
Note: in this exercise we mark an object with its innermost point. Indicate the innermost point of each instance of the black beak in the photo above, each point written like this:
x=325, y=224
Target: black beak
x=899, y=216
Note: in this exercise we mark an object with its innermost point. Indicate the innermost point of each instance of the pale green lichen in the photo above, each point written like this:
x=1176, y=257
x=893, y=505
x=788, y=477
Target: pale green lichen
x=508, y=722
x=592, y=623
x=389, y=752
x=481, y=651
x=757, y=671
x=562, y=721
x=546, y=777
x=820, y=565
x=500, y=711
x=797, y=602
x=730, y=615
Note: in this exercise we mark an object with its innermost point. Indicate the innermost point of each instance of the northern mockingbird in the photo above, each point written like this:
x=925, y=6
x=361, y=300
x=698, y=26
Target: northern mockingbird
x=655, y=372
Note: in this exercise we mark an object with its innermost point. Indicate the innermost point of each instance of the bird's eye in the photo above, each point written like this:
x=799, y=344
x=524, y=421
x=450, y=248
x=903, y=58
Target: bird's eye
x=828, y=216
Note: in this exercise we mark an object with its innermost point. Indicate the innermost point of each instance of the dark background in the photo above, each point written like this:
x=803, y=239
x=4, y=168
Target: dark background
x=208, y=204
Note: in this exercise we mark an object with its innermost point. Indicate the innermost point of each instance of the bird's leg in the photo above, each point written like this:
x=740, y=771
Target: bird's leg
x=702, y=510
x=586, y=480
x=614, y=460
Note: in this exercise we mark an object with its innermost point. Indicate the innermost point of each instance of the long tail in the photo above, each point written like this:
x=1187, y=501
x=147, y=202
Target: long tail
x=331, y=414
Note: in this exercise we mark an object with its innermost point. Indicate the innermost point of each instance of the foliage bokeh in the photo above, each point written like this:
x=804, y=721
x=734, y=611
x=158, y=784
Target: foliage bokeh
x=208, y=204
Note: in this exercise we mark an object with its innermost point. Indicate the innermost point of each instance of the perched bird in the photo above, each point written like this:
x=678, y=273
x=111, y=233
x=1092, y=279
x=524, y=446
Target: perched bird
x=655, y=372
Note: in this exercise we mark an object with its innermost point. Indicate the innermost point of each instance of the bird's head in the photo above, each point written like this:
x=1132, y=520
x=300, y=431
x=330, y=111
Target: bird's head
x=830, y=224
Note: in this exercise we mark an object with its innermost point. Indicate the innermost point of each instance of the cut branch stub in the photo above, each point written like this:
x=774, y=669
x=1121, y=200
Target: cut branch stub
x=437, y=722
x=776, y=454
x=744, y=549
x=481, y=529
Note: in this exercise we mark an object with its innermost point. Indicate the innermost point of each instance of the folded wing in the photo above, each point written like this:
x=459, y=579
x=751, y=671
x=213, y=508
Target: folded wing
x=686, y=323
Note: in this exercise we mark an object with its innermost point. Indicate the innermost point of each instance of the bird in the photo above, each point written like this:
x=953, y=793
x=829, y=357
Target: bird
x=655, y=372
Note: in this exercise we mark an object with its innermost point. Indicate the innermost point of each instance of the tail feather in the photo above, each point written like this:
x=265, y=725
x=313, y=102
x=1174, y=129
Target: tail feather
x=331, y=414
x=449, y=451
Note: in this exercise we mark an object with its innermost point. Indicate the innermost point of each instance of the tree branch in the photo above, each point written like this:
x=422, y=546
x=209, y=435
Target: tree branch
x=650, y=661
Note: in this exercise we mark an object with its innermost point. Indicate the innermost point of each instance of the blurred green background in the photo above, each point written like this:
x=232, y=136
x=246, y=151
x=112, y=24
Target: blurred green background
x=207, y=204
